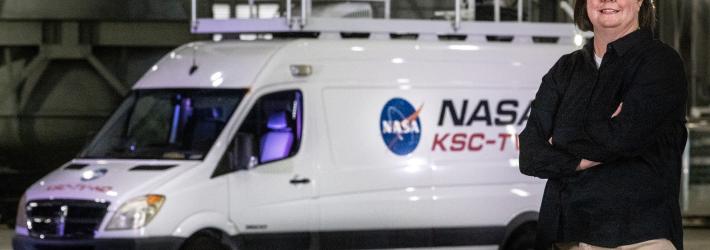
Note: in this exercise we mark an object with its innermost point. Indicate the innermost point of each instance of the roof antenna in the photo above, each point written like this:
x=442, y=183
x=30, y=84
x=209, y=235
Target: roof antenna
x=194, y=66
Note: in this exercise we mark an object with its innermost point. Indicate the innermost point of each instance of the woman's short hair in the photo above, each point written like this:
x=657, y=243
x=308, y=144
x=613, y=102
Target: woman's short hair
x=647, y=15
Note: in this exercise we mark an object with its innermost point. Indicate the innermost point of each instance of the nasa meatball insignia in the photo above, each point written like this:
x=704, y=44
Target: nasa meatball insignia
x=400, y=126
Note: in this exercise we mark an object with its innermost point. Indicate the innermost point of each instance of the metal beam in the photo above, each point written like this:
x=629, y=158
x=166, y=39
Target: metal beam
x=66, y=51
x=141, y=34
x=39, y=64
x=103, y=33
x=112, y=80
x=32, y=66
x=8, y=65
x=69, y=33
x=20, y=33
x=59, y=114
x=13, y=74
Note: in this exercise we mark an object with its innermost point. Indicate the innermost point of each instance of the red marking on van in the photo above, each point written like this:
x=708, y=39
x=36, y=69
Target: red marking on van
x=78, y=187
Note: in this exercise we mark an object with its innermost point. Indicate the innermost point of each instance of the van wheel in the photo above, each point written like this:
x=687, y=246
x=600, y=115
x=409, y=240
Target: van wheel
x=207, y=240
x=523, y=238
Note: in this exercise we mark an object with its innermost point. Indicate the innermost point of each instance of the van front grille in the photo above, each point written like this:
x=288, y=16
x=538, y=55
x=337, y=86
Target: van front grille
x=64, y=219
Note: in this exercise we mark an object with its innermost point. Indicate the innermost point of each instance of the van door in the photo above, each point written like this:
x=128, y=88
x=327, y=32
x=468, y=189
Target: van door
x=271, y=188
x=376, y=188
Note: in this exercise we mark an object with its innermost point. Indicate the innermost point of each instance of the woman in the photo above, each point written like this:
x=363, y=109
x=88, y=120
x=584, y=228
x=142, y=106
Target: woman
x=607, y=129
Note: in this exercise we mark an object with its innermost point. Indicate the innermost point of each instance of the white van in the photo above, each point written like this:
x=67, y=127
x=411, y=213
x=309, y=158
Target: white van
x=321, y=144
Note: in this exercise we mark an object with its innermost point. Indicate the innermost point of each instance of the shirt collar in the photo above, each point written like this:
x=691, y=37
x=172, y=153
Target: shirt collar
x=624, y=44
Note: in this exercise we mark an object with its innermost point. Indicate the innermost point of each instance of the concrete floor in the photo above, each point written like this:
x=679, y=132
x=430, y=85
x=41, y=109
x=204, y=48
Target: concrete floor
x=695, y=239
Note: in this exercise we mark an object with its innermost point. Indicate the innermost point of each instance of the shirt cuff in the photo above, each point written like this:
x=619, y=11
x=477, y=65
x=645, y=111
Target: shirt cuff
x=569, y=167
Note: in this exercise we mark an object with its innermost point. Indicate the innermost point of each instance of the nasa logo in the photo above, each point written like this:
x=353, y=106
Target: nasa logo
x=93, y=174
x=400, y=126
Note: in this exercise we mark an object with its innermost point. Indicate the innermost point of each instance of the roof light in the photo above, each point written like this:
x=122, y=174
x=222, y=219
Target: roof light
x=216, y=79
x=301, y=70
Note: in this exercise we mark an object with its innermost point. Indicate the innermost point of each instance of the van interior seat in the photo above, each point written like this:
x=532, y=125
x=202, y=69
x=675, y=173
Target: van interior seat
x=206, y=124
x=276, y=144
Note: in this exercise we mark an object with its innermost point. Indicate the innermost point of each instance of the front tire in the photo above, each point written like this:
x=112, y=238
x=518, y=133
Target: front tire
x=523, y=238
x=206, y=240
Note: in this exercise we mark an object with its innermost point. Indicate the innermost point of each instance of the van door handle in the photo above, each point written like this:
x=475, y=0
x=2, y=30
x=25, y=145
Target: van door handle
x=296, y=180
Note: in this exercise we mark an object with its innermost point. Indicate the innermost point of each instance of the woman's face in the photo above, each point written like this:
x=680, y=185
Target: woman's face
x=610, y=15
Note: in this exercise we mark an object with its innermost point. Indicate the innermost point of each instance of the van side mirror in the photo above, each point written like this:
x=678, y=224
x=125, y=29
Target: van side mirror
x=244, y=152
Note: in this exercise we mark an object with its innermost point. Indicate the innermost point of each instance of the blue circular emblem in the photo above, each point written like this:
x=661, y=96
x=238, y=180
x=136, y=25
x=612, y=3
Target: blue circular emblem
x=400, y=126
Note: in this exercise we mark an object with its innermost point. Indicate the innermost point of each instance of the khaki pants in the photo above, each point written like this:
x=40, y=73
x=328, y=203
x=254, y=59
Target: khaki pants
x=658, y=244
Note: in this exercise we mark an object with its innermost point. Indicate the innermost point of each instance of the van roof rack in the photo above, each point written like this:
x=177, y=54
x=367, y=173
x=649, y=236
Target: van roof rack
x=386, y=28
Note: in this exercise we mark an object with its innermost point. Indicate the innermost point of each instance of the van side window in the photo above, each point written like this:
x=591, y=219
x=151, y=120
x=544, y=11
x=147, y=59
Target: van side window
x=270, y=132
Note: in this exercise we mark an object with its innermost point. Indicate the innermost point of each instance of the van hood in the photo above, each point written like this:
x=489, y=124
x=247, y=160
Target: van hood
x=105, y=180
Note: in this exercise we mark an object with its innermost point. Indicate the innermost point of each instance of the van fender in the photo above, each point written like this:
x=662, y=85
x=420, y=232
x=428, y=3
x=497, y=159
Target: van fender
x=516, y=222
x=203, y=220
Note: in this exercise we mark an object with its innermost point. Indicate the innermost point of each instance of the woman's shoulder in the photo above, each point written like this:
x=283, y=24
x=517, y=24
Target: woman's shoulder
x=660, y=52
x=574, y=56
x=567, y=61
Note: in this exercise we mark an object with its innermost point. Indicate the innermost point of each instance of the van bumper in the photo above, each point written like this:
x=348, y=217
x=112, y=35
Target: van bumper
x=21, y=242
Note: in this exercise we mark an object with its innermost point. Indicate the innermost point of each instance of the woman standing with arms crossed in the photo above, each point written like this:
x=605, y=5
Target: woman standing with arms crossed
x=607, y=129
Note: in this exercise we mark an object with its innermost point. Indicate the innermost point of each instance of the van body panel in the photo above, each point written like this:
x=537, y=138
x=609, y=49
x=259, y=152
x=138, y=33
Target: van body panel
x=433, y=64
x=118, y=180
x=203, y=220
x=189, y=197
x=378, y=190
x=484, y=205
x=214, y=66
x=264, y=200
x=402, y=208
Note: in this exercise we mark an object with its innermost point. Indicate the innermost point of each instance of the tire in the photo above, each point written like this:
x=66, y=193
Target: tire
x=206, y=240
x=523, y=238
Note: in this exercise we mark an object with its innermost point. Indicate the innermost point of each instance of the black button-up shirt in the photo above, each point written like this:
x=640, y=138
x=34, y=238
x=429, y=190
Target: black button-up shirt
x=633, y=196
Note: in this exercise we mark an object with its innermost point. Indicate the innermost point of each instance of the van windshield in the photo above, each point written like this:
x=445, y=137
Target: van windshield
x=165, y=124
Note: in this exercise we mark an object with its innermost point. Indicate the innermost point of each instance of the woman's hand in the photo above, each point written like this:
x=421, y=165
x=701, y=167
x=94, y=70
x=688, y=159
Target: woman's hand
x=585, y=164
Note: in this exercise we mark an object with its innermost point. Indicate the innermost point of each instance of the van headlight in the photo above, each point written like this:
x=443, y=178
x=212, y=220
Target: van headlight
x=136, y=212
